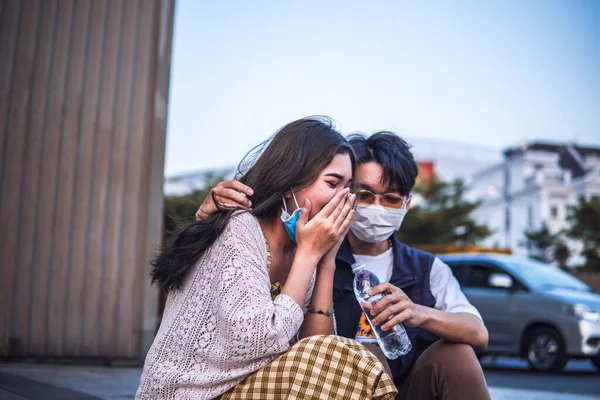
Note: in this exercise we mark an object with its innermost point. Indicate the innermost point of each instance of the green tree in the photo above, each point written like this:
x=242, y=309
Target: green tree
x=562, y=254
x=546, y=246
x=444, y=217
x=181, y=209
x=585, y=226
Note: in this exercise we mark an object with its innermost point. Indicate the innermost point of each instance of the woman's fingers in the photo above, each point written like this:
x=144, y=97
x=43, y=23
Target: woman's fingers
x=304, y=214
x=346, y=223
x=344, y=216
x=326, y=228
x=333, y=204
x=337, y=211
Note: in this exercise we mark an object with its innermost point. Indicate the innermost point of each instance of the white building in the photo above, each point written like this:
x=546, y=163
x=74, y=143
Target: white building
x=183, y=184
x=453, y=160
x=533, y=185
x=450, y=160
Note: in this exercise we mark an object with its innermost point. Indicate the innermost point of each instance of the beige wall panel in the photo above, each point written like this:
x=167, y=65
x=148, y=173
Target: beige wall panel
x=153, y=212
x=13, y=166
x=131, y=204
x=45, y=266
x=8, y=32
x=30, y=192
x=78, y=284
x=114, y=268
x=95, y=300
x=70, y=135
x=83, y=95
x=135, y=214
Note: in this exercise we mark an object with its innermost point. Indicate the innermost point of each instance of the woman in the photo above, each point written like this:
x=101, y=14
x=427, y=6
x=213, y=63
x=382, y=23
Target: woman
x=244, y=286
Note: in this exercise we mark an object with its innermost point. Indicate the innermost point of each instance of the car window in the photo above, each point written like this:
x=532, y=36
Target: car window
x=458, y=270
x=476, y=273
x=544, y=276
x=478, y=276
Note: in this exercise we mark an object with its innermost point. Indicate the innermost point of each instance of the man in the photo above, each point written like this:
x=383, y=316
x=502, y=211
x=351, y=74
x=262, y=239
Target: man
x=423, y=294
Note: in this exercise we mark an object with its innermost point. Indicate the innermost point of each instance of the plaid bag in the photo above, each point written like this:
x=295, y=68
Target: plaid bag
x=319, y=367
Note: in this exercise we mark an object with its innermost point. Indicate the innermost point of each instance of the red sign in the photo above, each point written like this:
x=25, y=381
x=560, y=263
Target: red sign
x=426, y=170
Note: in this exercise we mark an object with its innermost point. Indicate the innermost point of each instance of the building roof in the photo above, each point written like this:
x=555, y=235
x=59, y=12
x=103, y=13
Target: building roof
x=571, y=155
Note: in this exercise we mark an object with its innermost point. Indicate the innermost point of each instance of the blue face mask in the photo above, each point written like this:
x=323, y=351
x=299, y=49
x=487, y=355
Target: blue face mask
x=289, y=221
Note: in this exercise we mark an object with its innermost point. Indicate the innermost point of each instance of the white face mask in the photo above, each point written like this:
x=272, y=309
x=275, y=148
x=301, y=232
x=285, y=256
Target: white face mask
x=374, y=223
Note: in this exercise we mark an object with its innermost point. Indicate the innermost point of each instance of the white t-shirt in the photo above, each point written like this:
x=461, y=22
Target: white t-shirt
x=444, y=286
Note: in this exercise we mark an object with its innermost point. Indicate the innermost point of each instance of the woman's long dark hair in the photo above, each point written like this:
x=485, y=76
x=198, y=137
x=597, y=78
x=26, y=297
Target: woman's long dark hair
x=291, y=159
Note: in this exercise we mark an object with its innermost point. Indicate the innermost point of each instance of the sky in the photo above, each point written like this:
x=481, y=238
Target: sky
x=485, y=73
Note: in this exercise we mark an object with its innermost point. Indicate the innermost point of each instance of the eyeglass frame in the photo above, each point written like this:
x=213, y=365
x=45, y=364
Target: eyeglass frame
x=404, y=203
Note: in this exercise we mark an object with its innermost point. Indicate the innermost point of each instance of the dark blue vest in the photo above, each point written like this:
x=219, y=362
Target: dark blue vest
x=411, y=274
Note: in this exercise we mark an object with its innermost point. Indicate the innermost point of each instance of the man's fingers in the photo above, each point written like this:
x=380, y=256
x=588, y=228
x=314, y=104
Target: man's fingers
x=385, y=302
x=366, y=306
x=200, y=215
x=227, y=195
x=391, y=310
x=238, y=186
x=384, y=287
x=397, y=319
x=231, y=198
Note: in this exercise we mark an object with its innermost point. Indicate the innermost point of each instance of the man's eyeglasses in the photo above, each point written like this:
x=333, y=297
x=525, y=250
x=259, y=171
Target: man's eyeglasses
x=390, y=200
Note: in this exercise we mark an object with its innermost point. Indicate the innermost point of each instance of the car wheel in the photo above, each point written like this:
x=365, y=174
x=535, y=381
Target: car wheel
x=596, y=361
x=545, y=350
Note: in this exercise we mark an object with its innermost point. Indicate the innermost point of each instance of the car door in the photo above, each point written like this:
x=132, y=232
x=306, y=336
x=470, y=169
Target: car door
x=498, y=306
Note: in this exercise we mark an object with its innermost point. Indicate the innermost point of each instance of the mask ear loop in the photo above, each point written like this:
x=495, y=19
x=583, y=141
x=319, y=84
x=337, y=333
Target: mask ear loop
x=295, y=201
x=284, y=205
x=405, y=205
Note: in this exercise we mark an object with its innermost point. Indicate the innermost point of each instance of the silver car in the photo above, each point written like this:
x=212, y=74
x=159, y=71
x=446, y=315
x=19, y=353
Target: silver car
x=531, y=309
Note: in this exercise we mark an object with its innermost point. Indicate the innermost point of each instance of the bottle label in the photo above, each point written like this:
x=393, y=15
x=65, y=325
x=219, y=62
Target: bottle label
x=365, y=331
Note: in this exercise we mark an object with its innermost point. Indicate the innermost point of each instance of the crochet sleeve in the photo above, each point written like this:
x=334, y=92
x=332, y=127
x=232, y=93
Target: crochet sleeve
x=253, y=325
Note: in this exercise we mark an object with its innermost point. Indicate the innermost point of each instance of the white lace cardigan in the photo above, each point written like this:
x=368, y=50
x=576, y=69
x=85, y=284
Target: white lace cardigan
x=222, y=325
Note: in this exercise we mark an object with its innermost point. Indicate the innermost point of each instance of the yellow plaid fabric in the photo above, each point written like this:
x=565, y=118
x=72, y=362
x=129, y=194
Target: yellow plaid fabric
x=319, y=367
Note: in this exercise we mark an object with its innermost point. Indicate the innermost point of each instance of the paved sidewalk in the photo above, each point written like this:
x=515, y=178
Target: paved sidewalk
x=79, y=382
x=66, y=382
x=518, y=394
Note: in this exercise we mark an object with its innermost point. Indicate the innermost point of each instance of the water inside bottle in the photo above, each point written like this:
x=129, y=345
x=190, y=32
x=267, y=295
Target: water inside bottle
x=394, y=342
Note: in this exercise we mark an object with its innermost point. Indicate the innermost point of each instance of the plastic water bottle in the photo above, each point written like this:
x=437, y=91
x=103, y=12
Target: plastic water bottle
x=393, y=342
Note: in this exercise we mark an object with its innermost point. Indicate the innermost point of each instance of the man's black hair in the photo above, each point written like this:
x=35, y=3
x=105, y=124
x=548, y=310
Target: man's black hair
x=392, y=153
